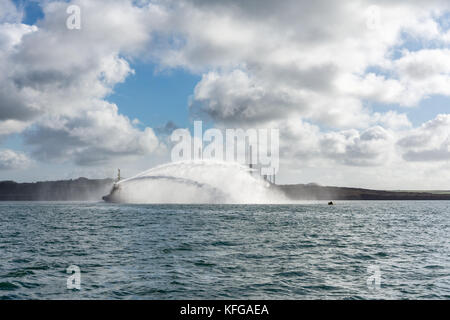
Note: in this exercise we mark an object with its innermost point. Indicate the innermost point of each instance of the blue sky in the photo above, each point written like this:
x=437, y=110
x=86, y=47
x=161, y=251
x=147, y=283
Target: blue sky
x=32, y=10
x=156, y=97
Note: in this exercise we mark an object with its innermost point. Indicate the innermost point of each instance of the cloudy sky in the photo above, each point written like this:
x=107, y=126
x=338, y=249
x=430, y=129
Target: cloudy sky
x=360, y=90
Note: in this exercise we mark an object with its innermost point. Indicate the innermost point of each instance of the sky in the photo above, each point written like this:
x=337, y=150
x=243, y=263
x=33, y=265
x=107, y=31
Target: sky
x=360, y=90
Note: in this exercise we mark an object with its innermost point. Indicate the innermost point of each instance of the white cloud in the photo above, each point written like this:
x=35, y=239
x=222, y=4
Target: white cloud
x=11, y=126
x=51, y=72
x=429, y=142
x=11, y=160
x=304, y=143
x=416, y=75
x=257, y=68
x=9, y=12
x=93, y=137
x=392, y=120
x=371, y=147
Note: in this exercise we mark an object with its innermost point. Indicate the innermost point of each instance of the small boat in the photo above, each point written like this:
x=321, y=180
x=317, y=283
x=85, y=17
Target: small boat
x=330, y=203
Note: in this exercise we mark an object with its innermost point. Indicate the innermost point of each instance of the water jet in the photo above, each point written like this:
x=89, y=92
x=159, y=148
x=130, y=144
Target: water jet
x=195, y=181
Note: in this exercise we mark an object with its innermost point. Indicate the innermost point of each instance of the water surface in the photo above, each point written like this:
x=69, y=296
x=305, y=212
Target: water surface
x=302, y=251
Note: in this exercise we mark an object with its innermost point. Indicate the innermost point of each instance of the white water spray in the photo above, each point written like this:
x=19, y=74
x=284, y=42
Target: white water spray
x=200, y=181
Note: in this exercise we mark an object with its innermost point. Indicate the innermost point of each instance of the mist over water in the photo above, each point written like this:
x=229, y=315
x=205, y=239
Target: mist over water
x=199, y=181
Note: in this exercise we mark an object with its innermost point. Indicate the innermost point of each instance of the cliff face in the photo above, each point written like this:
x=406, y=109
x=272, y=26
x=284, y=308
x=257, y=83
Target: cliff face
x=81, y=189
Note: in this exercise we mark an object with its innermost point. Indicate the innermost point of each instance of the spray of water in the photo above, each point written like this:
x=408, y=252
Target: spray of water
x=201, y=181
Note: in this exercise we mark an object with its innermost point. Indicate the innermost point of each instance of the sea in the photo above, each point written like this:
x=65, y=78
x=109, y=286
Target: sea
x=306, y=250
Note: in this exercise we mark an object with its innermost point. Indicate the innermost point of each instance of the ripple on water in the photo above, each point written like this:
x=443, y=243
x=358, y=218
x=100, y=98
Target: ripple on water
x=8, y=286
x=173, y=252
x=19, y=273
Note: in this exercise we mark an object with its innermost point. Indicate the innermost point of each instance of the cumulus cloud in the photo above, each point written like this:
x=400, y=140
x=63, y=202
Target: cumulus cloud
x=414, y=76
x=372, y=147
x=11, y=160
x=429, y=142
x=235, y=97
x=55, y=81
x=13, y=107
x=93, y=137
x=305, y=143
x=9, y=12
x=274, y=60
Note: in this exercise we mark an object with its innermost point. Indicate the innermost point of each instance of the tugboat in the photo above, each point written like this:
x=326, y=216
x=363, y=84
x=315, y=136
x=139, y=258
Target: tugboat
x=114, y=190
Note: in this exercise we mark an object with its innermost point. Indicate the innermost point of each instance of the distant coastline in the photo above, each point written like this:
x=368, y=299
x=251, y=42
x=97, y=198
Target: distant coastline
x=83, y=189
x=317, y=192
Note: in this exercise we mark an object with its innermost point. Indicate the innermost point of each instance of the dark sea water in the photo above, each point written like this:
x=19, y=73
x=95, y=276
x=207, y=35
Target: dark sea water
x=303, y=251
